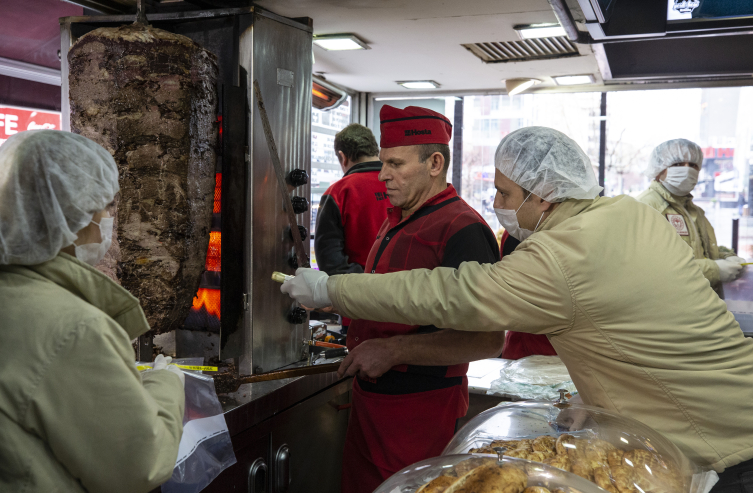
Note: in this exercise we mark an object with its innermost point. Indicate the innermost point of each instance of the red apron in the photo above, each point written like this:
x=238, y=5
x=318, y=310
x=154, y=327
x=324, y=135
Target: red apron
x=389, y=432
x=519, y=345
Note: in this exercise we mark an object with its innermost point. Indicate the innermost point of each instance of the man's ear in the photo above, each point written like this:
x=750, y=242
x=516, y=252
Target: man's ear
x=341, y=157
x=543, y=205
x=437, y=164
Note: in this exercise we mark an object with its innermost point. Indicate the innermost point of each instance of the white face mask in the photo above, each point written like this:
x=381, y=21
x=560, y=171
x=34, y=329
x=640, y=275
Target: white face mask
x=680, y=180
x=508, y=218
x=93, y=253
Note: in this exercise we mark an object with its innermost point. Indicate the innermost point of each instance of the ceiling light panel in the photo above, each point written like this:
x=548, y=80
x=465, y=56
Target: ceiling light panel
x=418, y=84
x=536, y=31
x=340, y=42
x=574, y=80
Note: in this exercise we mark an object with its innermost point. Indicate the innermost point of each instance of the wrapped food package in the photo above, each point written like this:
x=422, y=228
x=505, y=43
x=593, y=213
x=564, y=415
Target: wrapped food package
x=618, y=454
x=149, y=97
x=467, y=473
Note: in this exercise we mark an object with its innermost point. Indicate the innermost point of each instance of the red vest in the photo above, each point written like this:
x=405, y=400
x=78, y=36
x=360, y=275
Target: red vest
x=444, y=232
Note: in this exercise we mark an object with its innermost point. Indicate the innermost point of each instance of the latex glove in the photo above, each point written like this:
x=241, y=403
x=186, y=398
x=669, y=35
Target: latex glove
x=161, y=362
x=729, y=271
x=308, y=287
x=736, y=259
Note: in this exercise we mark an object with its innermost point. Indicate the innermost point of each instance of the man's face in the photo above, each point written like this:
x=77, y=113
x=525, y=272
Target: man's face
x=406, y=178
x=511, y=196
x=663, y=175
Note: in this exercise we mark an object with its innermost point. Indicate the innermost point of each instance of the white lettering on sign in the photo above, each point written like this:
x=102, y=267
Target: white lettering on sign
x=9, y=123
x=14, y=120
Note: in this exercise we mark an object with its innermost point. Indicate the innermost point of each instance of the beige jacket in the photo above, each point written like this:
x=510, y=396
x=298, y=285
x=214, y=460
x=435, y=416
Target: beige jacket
x=698, y=232
x=639, y=328
x=75, y=414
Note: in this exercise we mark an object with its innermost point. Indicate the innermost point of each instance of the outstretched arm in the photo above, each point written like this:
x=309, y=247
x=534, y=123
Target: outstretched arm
x=374, y=357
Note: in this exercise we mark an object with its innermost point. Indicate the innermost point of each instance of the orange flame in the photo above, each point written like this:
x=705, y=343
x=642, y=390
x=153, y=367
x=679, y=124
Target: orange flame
x=214, y=252
x=217, y=194
x=209, y=299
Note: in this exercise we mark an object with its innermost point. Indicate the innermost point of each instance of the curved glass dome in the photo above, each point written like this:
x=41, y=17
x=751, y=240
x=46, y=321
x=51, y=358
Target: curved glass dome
x=619, y=454
x=482, y=474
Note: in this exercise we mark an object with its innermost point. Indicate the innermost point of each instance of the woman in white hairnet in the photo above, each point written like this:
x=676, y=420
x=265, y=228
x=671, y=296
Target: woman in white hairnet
x=673, y=167
x=75, y=414
x=641, y=331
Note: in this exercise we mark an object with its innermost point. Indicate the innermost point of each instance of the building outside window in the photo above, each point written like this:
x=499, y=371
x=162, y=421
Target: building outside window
x=325, y=169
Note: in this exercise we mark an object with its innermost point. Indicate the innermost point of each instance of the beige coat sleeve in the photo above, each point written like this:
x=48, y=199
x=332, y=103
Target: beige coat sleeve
x=710, y=270
x=105, y=427
x=525, y=292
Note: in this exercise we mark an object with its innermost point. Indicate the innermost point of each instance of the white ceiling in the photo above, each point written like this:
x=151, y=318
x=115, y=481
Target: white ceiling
x=421, y=39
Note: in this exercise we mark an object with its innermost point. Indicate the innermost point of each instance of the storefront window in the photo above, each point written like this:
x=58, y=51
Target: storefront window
x=487, y=119
x=325, y=169
x=720, y=120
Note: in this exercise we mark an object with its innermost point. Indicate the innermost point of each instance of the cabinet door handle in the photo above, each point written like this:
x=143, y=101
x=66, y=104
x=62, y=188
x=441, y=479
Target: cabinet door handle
x=282, y=469
x=257, y=476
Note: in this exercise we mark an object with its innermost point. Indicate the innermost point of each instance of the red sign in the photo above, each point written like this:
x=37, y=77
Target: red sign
x=14, y=120
x=718, y=152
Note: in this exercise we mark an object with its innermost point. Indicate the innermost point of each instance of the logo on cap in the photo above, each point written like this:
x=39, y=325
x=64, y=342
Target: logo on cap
x=409, y=133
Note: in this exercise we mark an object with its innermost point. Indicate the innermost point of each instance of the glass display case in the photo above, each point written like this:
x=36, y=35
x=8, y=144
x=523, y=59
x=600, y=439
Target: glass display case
x=482, y=474
x=617, y=453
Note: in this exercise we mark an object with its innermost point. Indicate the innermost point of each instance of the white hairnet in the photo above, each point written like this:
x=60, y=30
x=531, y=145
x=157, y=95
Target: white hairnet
x=547, y=163
x=51, y=184
x=672, y=152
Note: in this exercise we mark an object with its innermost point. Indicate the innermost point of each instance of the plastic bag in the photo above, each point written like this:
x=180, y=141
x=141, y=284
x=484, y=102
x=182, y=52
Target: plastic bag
x=205, y=448
x=739, y=298
x=533, y=378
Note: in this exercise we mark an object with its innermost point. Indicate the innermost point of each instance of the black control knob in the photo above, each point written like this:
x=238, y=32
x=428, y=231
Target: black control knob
x=297, y=316
x=300, y=205
x=304, y=233
x=297, y=177
x=293, y=261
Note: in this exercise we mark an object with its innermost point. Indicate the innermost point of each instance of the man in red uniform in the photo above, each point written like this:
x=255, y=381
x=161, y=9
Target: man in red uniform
x=410, y=386
x=353, y=208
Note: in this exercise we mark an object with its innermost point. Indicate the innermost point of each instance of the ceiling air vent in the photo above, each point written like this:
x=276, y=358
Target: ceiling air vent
x=521, y=51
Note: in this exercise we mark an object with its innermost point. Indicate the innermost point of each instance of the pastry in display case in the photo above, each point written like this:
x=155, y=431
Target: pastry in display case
x=618, y=454
x=468, y=473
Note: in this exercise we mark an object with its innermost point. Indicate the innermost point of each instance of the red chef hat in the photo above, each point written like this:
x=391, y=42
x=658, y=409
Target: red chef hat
x=413, y=126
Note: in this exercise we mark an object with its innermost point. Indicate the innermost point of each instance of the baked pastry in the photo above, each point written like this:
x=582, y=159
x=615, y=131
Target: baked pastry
x=468, y=465
x=560, y=462
x=438, y=485
x=544, y=443
x=582, y=468
x=603, y=479
x=624, y=479
x=564, y=443
x=614, y=457
x=519, y=453
x=536, y=489
x=596, y=452
x=540, y=456
x=491, y=478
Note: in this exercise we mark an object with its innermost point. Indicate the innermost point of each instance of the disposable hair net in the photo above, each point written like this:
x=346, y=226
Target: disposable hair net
x=672, y=152
x=547, y=163
x=51, y=184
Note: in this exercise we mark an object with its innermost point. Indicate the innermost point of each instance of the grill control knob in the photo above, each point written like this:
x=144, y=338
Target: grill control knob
x=300, y=205
x=297, y=177
x=304, y=233
x=297, y=316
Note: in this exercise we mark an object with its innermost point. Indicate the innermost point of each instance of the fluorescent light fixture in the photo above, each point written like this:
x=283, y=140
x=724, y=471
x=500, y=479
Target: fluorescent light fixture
x=574, y=80
x=340, y=42
x=418, y=84
x=516, y=86
x=28, y=71
x=532, y=31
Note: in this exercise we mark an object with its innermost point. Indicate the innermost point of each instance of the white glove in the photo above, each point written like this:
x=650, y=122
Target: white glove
x=163, y=363
x=736, y=259
x=308, y=287
x=729, y=271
